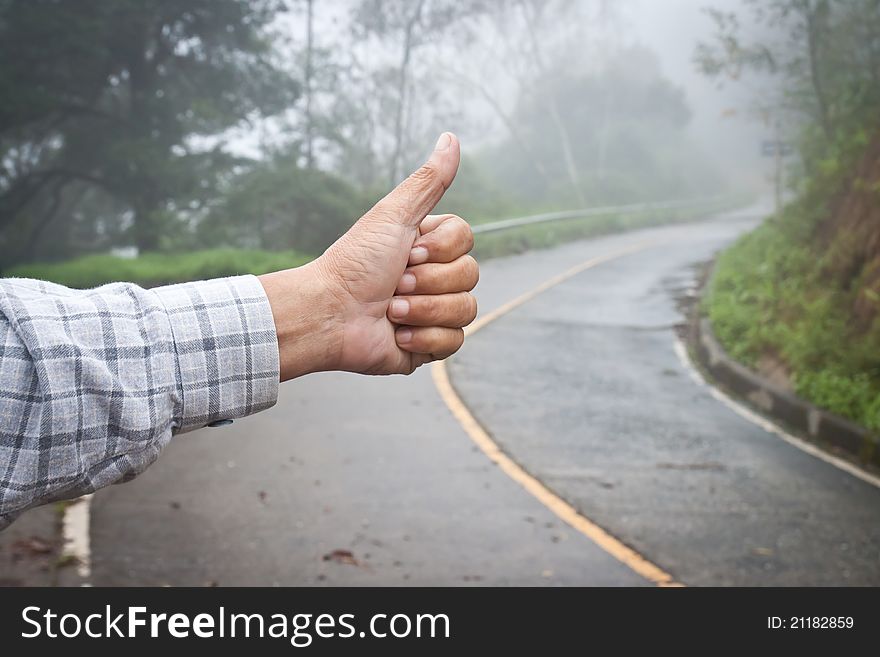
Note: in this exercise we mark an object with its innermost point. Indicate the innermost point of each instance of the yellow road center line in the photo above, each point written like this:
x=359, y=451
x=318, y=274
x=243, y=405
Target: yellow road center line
x=562, y=509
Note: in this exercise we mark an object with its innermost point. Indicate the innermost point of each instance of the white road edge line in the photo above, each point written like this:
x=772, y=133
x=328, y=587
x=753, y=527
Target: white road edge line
x=768, y=426
x=75, y=531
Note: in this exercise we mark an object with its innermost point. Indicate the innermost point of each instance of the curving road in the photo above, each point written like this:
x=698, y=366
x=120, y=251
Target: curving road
x=352, y=480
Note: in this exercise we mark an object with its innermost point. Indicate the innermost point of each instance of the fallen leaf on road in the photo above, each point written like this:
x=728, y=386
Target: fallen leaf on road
x=342, y=556
x=31, y=547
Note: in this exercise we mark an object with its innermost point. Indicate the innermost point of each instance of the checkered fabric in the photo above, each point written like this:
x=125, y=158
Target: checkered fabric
x=94, y=383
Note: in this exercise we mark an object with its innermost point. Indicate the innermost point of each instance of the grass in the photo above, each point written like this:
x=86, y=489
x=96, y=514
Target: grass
x=771, y=297
x=165, y=268
x=155, y=269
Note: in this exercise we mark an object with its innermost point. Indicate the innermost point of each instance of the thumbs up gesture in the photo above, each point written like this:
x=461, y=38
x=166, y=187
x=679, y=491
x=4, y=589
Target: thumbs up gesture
x=391, y=294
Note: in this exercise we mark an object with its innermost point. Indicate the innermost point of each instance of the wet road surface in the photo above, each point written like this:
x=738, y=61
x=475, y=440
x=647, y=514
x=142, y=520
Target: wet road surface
x=354, y=480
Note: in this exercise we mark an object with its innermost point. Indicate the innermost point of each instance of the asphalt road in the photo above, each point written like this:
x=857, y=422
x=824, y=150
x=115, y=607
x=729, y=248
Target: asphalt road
x=353, y=480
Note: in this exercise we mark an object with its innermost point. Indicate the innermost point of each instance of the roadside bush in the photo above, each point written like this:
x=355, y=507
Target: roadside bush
x=279, y=205
x=771, y=296
x=154, y=269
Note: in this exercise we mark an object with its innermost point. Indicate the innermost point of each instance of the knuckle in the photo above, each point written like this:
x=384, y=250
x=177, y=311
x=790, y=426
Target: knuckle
x=466, y=233
x=458, y=340
x=426, y=175
x=470, y=310
x=472, y=272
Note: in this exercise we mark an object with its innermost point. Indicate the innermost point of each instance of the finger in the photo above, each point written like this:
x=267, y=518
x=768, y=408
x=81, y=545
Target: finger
x=415, y=197
x=431, y=222
x=417, y=360
x=434, y=340
x=449, y=310
x=460, y=275
x=451, y=239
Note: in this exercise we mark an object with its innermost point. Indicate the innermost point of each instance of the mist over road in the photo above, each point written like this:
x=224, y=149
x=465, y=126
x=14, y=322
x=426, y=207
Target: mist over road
x=351, y=480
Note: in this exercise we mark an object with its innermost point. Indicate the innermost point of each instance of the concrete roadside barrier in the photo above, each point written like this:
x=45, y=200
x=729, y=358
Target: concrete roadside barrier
x=817, y=425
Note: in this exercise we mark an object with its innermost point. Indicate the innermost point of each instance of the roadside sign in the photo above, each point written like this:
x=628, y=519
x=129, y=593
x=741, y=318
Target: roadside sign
x=772, y=148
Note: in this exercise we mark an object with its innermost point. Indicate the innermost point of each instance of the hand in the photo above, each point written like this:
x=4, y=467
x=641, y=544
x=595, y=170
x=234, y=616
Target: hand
x=391, y=294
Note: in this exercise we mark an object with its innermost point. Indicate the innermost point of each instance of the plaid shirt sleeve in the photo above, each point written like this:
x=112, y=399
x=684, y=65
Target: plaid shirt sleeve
x=94, y=383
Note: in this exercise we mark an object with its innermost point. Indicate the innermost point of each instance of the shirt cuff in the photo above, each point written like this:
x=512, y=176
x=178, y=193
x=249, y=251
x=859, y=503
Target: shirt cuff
x=226, y=347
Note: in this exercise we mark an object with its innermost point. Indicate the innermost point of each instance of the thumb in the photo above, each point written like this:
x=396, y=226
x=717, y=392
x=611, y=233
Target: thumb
x=414, y=198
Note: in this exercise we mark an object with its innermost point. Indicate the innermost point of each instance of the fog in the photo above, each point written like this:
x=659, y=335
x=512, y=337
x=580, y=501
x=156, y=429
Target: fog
x=722, y=127
x=721, y=123
x=645, y=183
x=559, y=105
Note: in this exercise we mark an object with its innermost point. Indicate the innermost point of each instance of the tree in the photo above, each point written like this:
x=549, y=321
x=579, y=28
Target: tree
x=643, y=135
x=409, y=25
x=540, y=40
x=824, y=57
x=112, y=93
x=276, y=204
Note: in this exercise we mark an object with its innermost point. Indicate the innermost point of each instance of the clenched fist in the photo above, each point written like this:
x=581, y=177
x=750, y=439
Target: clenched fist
x=391, y=294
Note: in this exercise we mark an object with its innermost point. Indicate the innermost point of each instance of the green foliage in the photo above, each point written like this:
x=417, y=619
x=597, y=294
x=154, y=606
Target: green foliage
x=788, y=290
x=823, y=52
x=154, y=269
x=108, y=95
x=851, y=395
x=117, y=113
x=626, y=128
x=478, y=197
x=279, y=205
x=771, y=297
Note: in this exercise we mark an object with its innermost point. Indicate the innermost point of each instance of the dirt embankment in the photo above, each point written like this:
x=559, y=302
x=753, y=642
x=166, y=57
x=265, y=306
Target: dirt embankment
x=850, y=237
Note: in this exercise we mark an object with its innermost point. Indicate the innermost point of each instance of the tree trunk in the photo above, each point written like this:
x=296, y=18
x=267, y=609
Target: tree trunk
x=814, y=17
x=552, y=107
x=402, y=80
x=310, y=158
x=140, y=194
x=40, y=226
x=567, y=153
x=602, y=148
x=512, y=128
x=145, y=229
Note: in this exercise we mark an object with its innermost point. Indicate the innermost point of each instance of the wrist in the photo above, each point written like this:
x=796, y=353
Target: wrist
x=307, y=322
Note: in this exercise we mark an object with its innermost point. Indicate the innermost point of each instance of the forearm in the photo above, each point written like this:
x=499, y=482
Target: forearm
x=94, y=383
